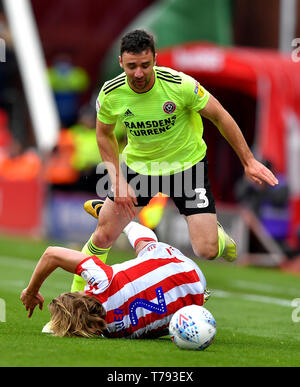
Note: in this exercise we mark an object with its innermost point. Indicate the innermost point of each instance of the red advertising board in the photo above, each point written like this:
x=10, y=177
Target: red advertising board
x=21, y=206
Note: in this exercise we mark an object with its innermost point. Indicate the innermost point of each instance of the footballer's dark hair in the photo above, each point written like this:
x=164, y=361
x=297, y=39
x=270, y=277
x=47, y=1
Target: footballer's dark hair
x=136, y=42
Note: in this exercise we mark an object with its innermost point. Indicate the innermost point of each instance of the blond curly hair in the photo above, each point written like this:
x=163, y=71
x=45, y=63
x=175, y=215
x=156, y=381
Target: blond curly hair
x=77, y=314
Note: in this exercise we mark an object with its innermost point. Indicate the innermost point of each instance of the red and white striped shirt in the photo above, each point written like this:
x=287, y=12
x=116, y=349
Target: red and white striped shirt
x=141, y=295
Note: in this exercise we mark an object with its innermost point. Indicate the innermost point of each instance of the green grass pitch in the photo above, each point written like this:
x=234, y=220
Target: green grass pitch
x=252, y=307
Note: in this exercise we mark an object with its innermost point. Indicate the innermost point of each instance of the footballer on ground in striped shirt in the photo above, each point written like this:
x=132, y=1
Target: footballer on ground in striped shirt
x=134, y=299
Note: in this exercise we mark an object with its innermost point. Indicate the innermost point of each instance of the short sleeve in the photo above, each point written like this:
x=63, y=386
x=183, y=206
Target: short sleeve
x=103, y=108
x=195, y=96
x=97, y=274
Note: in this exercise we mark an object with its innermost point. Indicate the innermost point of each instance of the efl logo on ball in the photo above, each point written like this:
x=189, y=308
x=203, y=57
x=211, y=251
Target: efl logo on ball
x=193, y=327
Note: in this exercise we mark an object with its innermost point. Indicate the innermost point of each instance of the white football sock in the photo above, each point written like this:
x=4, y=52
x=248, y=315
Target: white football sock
x=136, y=232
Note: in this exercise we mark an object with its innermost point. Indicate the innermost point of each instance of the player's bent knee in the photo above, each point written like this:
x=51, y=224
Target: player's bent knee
x=102, y=239
x=207, y=251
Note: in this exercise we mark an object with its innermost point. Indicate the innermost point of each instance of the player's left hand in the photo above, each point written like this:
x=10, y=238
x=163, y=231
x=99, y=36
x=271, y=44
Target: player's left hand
x=259, y=173
x=30, y=301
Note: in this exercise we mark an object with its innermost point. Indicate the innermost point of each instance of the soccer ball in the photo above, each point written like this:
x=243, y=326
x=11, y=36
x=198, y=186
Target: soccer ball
x=192, y=327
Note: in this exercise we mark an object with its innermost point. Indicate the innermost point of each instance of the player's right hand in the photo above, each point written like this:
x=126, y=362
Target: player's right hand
x=30, y=301
x=259, y=173
x=125, y=200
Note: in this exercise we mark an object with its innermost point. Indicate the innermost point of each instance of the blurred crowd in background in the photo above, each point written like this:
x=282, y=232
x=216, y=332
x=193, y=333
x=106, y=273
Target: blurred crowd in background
x=78, y=39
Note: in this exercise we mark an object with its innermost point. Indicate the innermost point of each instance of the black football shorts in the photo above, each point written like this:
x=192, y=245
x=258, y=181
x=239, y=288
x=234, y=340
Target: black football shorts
x=190, y=189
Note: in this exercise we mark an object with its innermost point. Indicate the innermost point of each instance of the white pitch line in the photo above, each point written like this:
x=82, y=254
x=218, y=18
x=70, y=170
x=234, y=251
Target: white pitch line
x=18, y=262
x=292, y=291
x=13, y=286
x=252, y=297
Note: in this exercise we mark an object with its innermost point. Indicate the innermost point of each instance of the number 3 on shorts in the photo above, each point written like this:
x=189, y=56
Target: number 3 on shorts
x=202, y=197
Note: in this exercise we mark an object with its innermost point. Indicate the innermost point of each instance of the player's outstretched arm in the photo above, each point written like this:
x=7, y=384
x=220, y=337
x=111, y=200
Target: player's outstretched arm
x=52, y=258
x=254, y=169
